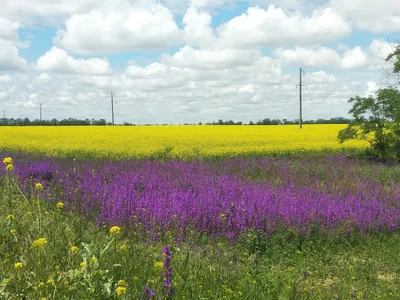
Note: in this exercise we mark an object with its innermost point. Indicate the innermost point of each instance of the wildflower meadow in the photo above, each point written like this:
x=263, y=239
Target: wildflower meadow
x=228, y=223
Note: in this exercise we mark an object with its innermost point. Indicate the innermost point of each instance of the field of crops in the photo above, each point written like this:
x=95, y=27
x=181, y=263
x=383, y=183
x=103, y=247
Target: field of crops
x=181, y=142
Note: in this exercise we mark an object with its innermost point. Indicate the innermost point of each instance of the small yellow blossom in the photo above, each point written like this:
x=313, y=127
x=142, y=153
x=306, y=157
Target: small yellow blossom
x=50, y=282
x=7, y=161
x=39, y=186
x=9, y=167
x=13, y=231
x=60, y=205
x=120, y=291
x=41, y=284
x=158, y=265
x=121, y=283
x=93, y=260
x=39, y=243
x=74, y=250
x=10, y=217
x=115, y=230
x=123, y=247
x=18, y=265
x=83, y=264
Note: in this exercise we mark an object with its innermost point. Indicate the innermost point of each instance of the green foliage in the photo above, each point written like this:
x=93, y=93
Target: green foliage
x=396, y=55
x=376, y=120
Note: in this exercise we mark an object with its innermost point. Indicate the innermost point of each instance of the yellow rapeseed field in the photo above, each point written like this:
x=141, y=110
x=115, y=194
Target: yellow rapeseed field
x=183, y=142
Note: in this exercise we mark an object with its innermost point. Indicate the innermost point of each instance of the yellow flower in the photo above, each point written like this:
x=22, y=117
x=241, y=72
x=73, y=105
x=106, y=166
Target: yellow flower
x=93, y=260
x=60, y=205
x=123, y=247
x=41, y=284
x=18, y=265
x=83, y=264
x=9, y=167
x=39, y=243
x=50, y=282
x=121, y=283
x=39, y=186
x=74, y=250
x=120, y=290
x=115, y=230
x=158, y=266
x=13, y=231
x=7, y=161
x=10, y=217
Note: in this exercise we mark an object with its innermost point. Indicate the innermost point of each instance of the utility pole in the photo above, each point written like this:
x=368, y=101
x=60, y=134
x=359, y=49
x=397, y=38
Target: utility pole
x=301, y=108
x=112, y=107
x=40, y=112
x=4, y=117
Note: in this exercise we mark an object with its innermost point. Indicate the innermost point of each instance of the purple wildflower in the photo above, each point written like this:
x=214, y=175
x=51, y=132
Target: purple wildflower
x=167, y=272
x=218, y=199
x=147, y=293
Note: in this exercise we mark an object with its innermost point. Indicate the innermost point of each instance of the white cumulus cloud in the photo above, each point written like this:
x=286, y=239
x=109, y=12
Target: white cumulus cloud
x=9, y=57
x=58, y=60
x=324, y=56
x=188, y=57
x=120, y=28
x=372, y=15
x=275, y=27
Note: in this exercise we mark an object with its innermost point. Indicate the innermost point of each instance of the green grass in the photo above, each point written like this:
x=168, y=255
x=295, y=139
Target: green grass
x=278, y=267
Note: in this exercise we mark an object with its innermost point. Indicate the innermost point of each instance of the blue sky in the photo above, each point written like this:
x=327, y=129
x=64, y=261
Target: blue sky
x=192, y=60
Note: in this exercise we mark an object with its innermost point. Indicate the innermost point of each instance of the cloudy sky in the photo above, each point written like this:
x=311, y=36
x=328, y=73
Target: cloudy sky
x=176, y=61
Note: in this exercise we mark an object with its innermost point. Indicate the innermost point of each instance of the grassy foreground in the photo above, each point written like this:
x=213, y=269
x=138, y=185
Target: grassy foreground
x=47, y=253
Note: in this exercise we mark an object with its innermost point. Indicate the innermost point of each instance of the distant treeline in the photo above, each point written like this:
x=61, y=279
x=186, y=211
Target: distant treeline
x=103, y=122
x=337, y=120
x=52, y=122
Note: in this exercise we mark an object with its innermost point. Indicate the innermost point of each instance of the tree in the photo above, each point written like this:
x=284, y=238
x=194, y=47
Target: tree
x=376, y=120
